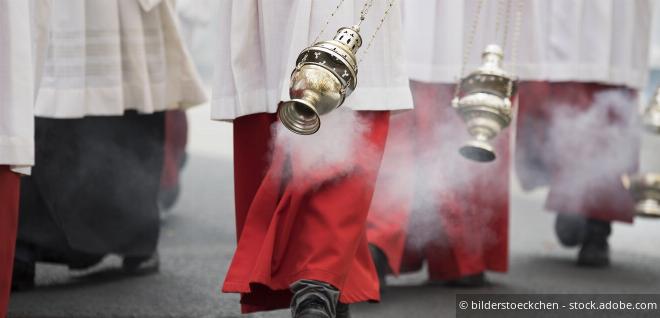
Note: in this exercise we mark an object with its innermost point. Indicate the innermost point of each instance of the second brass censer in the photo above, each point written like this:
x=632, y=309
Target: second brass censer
x=483, y=98
x=484, y=103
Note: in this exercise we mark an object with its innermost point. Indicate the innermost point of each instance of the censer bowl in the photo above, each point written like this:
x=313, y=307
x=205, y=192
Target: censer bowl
x=483, y=100
x=477, y=150
x=485, y=116
x=645, y=190
x=315, y=91
x=325, y=74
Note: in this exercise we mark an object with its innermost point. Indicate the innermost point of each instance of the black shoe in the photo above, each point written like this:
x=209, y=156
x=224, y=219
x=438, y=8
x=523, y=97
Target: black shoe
x=141, y=265
x=595, y=251
x=470, y=281
x=382, y=267
x=343, y=311
x=83, y=262
x=570, y=229
x=22, y=276
x=314, y=299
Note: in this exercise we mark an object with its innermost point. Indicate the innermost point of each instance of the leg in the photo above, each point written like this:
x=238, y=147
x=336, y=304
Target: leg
x=310, y=223
x=392, y=203
x=590, y=143
x=469, y=213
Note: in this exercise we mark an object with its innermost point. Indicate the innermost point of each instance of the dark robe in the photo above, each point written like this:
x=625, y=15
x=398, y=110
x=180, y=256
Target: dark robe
x=94, y=187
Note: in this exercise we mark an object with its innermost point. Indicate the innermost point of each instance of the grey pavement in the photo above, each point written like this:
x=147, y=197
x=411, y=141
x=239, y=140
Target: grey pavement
x=198, y=241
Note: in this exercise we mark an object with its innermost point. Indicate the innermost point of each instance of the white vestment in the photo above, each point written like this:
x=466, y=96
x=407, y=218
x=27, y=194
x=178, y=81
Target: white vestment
x=604, y=41
x=109, y=56
x=23, y=34
x=259, y=41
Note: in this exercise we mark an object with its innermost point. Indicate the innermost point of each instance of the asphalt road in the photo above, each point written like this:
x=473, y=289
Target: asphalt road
x=198, y=241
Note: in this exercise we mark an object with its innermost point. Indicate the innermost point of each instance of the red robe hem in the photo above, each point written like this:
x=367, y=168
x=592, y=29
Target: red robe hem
x=537, y=142
x=297, y=223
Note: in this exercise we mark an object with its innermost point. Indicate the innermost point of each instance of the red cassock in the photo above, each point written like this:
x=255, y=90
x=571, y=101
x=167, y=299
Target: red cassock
x=294, y=225
x=578, y=142
x=446, y=210
x=9, y=189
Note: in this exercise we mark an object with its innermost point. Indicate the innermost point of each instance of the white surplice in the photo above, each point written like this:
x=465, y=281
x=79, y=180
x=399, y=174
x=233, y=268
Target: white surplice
x=23, y=34
x=109, y=56
x=603, y=41
x=259, y=41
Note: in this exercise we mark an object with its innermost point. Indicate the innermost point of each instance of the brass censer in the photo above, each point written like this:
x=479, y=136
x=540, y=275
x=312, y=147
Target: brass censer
x=325, y=74
x=483, y=100
x=645, y=187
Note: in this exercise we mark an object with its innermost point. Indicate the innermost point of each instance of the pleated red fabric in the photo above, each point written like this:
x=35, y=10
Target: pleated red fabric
x=463, y=230
x=9, y=190
x=292, y=225
x=595, y=160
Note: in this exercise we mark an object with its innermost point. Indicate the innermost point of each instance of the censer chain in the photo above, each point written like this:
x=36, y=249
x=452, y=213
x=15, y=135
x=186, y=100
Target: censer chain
x=507, y=17
x=516, y=36
x=327, y=21
x=365, y=9
x=364, y=52
x=468, y=46
x=499, y=17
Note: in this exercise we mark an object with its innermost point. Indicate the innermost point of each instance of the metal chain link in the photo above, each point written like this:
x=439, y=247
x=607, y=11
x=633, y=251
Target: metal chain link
x=505, y=35
x=516, y=36
x=363, y=15
x=467, y=48
x=499, y=17
x=380, y=25
x=327, y=21
x=365, y=9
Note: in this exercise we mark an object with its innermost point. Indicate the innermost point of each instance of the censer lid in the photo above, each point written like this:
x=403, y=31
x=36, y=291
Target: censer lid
x=490, y=77
x=493, y=49
x=492, y=58
x=346, y=43
x=350, y=37
x=336, y=55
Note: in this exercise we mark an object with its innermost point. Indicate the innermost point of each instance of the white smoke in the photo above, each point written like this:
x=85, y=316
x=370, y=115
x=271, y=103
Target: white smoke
x=596, y=144
x=593, y=145
x=423, y=175
x=334, y=147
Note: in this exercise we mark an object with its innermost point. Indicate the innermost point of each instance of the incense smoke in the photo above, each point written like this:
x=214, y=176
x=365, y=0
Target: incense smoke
x=331, y=150
x=595, y=147
x=423, y=176
x=449, y=200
